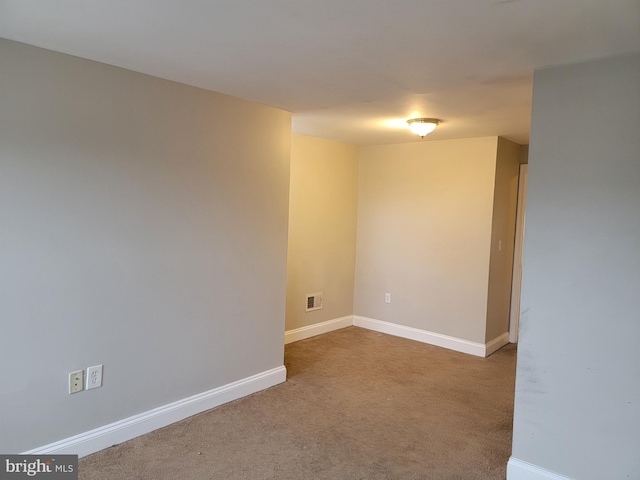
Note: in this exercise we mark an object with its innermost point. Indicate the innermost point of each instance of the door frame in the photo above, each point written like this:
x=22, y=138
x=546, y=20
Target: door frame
x=516, y=281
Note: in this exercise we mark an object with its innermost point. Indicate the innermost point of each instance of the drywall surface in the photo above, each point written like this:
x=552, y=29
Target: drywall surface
x=577, y=404
x=505, y=200
x=424, y=234
x=144, y=227
x=524, y=154
x=322, y=229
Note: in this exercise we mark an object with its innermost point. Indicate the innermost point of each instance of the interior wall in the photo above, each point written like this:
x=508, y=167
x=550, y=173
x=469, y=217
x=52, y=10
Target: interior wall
x=505, y=201
x=577, y=404
x=424, y=234
x=524, y=154
x=322, y=229
x=144, y=227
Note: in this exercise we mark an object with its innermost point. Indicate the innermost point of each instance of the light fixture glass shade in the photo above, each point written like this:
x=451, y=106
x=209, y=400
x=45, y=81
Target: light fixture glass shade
x=423, y=126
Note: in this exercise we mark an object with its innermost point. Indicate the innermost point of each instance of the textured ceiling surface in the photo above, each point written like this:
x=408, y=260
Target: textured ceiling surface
x=349, y=70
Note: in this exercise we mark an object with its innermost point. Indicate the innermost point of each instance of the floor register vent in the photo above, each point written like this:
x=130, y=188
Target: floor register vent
x=314, y=301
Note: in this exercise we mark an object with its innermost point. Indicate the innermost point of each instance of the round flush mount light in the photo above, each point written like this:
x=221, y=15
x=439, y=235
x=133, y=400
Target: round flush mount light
x=423, y=126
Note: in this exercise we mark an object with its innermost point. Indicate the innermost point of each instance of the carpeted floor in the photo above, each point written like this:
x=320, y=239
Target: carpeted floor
x=357, y=404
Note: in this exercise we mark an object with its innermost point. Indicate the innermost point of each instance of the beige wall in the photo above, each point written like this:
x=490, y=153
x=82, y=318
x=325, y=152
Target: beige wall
x=505, y=200
x=144, y=227
x=424, y=234
x=322, y=229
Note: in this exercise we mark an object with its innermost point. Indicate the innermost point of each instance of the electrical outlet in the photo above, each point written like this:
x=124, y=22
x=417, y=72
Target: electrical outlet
x=76, y=381
x=94, y=377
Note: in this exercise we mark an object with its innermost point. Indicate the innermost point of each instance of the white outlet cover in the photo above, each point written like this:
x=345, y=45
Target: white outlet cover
x=94, y=377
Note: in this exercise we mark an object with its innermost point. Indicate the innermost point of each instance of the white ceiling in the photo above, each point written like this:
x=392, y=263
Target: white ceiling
x=349, y=70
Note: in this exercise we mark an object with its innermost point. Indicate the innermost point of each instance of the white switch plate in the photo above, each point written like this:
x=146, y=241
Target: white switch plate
x=387, y=298
x=94, y=377
x=76, y=381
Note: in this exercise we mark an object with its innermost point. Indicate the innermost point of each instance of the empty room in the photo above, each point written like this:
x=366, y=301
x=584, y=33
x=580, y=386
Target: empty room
x=284, y=240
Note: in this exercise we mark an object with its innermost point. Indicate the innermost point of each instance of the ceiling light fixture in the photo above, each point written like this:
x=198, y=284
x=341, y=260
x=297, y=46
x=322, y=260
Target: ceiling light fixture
x=423, y=126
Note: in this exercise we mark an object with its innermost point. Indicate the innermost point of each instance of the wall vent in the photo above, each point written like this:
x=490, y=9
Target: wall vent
x=314, y=301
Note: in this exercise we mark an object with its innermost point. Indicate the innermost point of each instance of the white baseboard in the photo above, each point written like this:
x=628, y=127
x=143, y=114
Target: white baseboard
x=317, y=329
x=432, y=338
x=424, y=336
x=519, y=470
x=496, y=344
x=118, y=432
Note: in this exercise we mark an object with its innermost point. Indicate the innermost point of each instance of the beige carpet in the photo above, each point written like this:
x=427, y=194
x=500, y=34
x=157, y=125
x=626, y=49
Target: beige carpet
x=356, y=405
